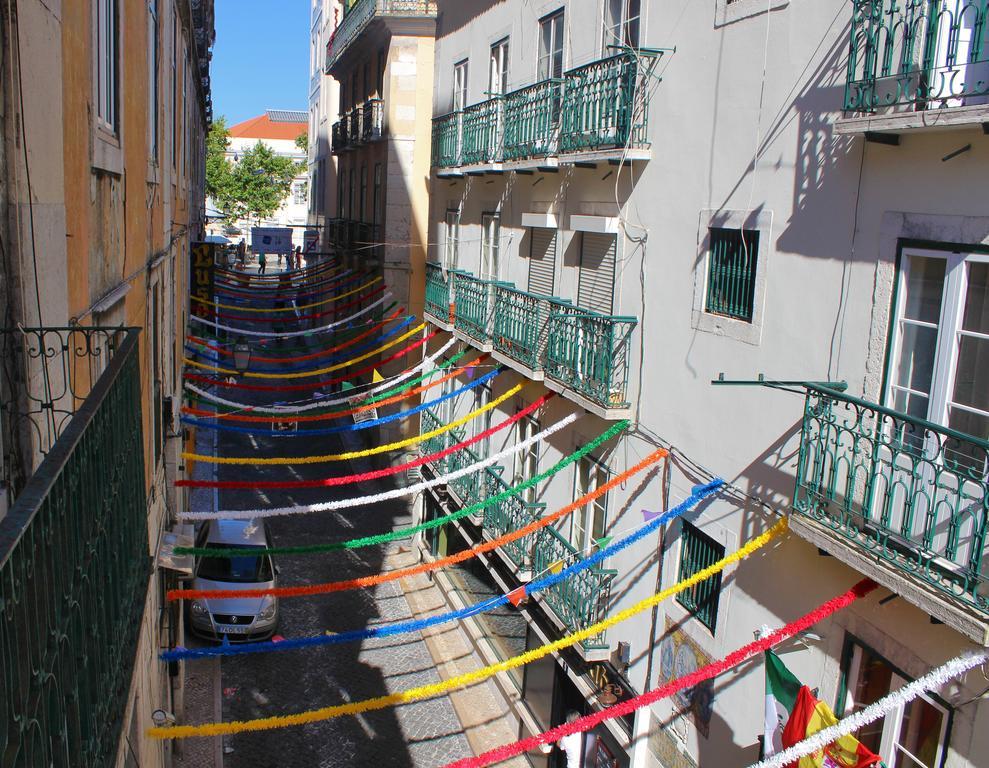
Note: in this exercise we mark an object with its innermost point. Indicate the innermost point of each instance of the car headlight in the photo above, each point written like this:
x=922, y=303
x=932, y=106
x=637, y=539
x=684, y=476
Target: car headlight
x=198, y=608
x=268, y=609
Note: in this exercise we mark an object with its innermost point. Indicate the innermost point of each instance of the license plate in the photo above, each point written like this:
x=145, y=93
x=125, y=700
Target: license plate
x=228, y=629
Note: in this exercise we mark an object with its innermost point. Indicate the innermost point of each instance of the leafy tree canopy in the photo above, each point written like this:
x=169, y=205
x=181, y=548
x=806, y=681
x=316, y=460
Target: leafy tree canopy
x=302, y=142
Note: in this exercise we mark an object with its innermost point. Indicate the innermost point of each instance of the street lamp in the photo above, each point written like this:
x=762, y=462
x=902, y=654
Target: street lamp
x=242, y=355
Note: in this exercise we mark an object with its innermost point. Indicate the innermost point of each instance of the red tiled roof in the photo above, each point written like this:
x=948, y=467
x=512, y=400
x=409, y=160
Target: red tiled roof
x=262, y=127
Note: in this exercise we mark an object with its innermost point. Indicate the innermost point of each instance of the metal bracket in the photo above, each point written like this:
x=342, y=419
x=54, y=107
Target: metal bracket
x=762, y=381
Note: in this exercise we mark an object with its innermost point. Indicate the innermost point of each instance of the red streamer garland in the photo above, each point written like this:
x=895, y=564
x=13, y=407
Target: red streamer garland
x=312, y=385
x=586, y=723
x=363, y=476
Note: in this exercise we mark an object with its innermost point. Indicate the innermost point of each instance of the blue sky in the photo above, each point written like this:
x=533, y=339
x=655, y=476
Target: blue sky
x=260, y=58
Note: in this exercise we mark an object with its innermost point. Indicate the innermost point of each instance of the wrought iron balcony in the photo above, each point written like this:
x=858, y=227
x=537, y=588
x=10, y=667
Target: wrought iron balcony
x=521, y=324
x=438, y=302
x=585, y=352
x=338, y=135
x=582, y=599
x=360, y=13
x=596, y=107
x=899, y=489
x=916, y=55
x=74, y=561
x=355, y=126
x=373, y=115
x=509, y=515
x=588, y=353
x=446, y=140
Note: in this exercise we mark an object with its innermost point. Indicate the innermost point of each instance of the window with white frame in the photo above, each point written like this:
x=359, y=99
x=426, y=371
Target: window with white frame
x=551, y=46
x=299, y=193
x=154, y=100
x=490, y=244
x=589, y=523
x=451, y=240
x=914, y=734
x=498, y=68
x=939, y=353
x=459, y=85
x=107, y=17
x=621, y=24
x=526, y=463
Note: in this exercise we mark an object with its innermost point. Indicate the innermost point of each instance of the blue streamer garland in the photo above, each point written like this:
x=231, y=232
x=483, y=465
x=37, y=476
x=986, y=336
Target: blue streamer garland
x=698, y=494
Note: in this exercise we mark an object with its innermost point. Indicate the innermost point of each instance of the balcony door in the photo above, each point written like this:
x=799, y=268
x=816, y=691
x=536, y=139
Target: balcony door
x=490, y=245
x=956, y=53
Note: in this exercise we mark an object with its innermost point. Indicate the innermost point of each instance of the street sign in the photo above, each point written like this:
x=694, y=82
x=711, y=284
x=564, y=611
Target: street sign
x=271, y=240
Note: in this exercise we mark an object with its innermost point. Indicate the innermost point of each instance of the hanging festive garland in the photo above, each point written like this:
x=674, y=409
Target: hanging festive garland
x=301, y=369
x=318, y=403
x=933, y=680
x=586, y=723
x=209, y=424
x=232, y=383
x=266, y=310
x=292, y=334
x=417, y=625
x=253, y=460
x=365, y=476
x=407, y=532
x=307, y=270
x=335, y=310
x=332, y=415
x=296, y=292
x=427, y=566
x=374, y=498
x=378, y=325
x=479, y=675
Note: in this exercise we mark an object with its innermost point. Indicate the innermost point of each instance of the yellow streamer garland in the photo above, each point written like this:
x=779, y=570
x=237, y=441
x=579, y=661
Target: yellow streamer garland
x=435, y=689
x=285, y=309
x=356, y=454
x=306, y=374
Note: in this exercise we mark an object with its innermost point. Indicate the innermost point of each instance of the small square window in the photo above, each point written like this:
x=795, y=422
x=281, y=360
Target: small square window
x=697, y=552
x=731, y=274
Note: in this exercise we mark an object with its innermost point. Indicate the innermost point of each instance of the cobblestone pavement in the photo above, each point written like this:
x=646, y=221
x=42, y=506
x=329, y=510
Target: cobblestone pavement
x=423, y=734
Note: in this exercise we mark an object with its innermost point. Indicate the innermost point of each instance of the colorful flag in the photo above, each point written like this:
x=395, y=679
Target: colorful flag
x=517, y=596
x=793, y=714
x=376, y=377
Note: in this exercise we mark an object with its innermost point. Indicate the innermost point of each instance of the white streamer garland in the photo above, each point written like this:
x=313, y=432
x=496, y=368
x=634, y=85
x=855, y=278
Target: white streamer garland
x=251, y=514
x=933, y=679
x=270, y=334
x=314, y=403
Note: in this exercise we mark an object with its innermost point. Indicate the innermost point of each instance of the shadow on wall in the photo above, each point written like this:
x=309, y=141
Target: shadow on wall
x=457, y=14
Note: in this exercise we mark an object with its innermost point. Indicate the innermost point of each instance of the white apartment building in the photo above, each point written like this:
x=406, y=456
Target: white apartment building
x=628, y=199
x=278, y=129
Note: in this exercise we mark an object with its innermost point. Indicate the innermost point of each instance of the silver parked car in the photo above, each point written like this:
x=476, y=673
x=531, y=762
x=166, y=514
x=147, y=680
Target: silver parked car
x=238, y=619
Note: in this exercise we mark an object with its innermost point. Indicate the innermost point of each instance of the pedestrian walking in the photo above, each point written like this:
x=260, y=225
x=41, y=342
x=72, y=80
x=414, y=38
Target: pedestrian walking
x=298, y=257
x=242, y=252
x=261, y=263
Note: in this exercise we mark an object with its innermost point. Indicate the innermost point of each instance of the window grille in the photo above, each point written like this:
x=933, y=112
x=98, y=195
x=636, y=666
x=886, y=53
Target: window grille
x=697, y=552
x=731, y=272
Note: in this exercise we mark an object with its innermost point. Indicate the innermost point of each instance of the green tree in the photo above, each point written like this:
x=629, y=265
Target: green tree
x=258, y=183
x=302, y=142
x=218, y=168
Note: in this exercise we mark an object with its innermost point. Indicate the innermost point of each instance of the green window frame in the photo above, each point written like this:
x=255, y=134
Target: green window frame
x=731, y=276
x=697, y=552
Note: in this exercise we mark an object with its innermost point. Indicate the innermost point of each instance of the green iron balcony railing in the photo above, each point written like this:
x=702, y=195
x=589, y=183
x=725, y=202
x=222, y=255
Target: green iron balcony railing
x=438, y=293
x=599, y=106
x=358, y=14
x=603, y=106
x=470, y=487
x=446, y=140
x=914, y=55
x=904, y=490
x=481, y=127
x=473, y=305
x=582, y=599
x=589, y=353
x=431, y=422
x=74, y=564
x=521, y=324
x=509, y=515
x=532, y=120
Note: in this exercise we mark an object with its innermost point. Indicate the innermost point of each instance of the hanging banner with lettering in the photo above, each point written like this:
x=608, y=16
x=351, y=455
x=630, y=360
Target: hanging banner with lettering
x=202, y=270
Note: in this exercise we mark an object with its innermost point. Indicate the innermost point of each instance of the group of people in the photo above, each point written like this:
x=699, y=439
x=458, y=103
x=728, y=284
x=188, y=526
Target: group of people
x=294, y=258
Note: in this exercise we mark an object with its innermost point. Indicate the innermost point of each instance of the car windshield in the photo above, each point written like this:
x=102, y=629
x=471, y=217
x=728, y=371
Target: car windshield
x=246, y=569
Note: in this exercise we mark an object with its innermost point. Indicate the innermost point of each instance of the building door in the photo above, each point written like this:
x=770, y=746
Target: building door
x=596, y=276
x=542, y=261
x=490, y=236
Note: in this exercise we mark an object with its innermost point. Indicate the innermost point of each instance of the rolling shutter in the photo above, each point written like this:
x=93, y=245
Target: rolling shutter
x=542, y=260
x=596, y=279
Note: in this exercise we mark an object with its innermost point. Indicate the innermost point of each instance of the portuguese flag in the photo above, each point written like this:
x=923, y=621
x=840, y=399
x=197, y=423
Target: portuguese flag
x=793, y=714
